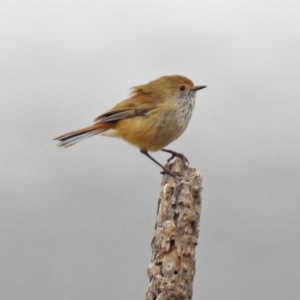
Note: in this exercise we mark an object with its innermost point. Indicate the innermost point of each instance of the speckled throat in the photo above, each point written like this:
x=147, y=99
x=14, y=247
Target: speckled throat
x=186, y=103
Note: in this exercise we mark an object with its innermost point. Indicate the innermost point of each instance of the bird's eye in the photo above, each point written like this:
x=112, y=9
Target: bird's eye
x=182, y=88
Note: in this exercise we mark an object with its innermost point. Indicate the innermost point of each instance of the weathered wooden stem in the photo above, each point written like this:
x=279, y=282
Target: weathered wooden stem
x=172, y=266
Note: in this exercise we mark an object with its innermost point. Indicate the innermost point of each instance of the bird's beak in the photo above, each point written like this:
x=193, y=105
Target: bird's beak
x=197, y=88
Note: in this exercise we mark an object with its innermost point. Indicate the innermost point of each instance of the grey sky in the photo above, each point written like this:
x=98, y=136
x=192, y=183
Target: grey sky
x=77, y=223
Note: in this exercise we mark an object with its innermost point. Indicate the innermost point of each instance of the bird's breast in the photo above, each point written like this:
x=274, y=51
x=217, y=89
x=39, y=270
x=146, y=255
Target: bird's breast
x=157, y=128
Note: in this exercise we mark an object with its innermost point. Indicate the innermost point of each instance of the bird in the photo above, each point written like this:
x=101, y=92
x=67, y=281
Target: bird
x=154, y=115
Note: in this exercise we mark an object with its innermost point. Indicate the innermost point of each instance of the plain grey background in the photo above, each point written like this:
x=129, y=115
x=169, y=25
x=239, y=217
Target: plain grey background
x=77, y=223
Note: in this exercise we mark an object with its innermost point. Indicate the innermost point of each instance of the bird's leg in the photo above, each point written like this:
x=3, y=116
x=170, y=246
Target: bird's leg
x=175, y=154
x=165, y=170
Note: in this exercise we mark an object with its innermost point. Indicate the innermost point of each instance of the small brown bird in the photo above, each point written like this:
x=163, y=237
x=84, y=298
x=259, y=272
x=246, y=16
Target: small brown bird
x=155, y=115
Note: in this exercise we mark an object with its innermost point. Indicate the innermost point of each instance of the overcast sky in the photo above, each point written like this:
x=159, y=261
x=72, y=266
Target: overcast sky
x=77, y=223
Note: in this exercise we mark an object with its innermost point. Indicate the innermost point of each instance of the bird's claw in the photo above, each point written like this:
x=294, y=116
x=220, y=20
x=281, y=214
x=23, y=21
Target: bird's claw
x=169, y=172
x=179, y=155
x=175, y=154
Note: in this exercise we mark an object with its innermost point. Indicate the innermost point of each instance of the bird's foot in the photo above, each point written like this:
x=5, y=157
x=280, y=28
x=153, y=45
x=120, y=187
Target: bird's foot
x=176, y=154
x=169, y=172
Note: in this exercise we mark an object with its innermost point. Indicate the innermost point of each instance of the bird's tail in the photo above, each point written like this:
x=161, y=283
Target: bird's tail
x=76, y=136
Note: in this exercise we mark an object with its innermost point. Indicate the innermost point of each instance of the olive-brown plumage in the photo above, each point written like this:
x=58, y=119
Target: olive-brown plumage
x=155, y=115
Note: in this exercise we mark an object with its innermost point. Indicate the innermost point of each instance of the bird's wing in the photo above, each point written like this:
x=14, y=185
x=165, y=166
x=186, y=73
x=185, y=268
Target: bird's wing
x=119, y=114
x=132, y=107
